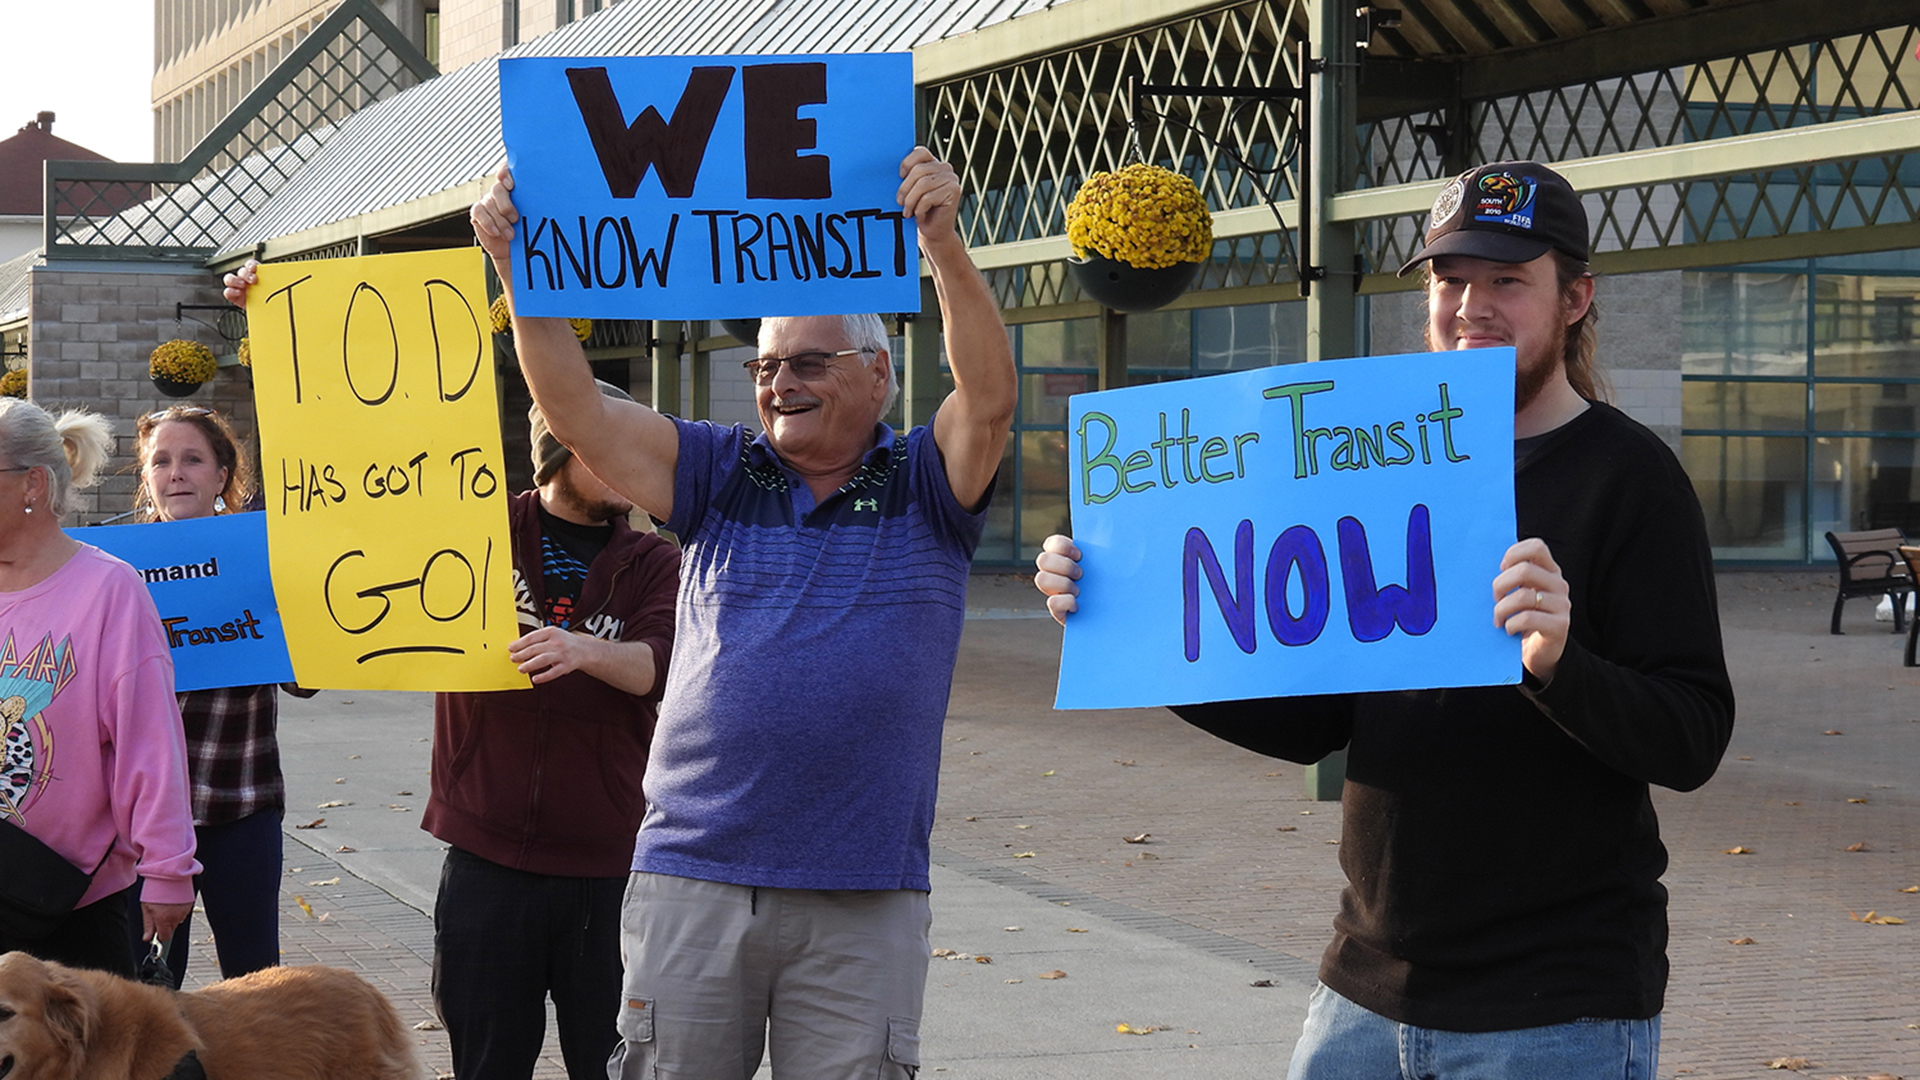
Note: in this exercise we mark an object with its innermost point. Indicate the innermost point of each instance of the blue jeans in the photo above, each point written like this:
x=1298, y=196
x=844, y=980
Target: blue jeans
x=1342, y=1041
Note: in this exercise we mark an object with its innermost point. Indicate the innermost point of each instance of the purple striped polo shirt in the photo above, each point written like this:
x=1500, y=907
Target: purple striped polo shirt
x=798, y=744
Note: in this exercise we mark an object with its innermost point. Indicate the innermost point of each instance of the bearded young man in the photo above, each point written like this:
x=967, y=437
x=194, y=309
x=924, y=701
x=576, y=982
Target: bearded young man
x=1504, y=915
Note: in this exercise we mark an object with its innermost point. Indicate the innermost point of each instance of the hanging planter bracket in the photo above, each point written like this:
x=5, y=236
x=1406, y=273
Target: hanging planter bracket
x=1304, y=269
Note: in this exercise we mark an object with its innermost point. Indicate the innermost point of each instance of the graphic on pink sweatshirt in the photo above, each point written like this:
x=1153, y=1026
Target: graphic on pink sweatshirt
x=28, y=684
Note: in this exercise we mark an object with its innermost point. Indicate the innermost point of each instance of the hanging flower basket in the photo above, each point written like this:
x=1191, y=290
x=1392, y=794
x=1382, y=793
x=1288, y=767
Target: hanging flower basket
x=745, y=331
x=179, y=367
x=1139, y=237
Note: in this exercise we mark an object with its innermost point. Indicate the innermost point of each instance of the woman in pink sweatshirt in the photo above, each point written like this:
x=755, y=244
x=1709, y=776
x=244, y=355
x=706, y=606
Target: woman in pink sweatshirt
x=94, y=759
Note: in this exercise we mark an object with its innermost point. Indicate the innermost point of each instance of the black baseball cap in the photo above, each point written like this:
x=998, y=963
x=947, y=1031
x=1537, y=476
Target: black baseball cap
x=1510, y=212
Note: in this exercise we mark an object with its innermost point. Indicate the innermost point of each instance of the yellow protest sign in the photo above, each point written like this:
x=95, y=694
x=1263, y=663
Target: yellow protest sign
x=381, y=461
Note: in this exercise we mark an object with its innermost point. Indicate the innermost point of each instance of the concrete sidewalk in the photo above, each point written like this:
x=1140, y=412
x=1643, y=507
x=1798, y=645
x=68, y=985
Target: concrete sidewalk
x=1237, y=883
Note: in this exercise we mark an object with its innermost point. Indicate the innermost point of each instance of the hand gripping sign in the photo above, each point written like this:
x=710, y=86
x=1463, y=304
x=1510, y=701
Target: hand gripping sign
x=710, y=187
x=1308, y=529
x=381, y=461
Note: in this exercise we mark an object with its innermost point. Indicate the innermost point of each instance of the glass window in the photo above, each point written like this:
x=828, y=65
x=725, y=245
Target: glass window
x=1043, y=394
x=1866, y=406
x=1744, y=406
x=996, y=538
x=1863, y=484
x=1160, y=340
x=1043, y=488
x=1073, y=343
x=1743, y=324
x=1867, y=326
x=1249, y=336
x=1753, y=491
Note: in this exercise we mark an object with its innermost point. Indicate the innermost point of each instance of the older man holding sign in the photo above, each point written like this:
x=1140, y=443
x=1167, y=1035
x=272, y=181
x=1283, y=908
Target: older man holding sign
x=1504, y=914
x=780, y=882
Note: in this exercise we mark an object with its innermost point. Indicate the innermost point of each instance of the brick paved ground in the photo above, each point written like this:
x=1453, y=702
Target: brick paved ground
x=1239, y=859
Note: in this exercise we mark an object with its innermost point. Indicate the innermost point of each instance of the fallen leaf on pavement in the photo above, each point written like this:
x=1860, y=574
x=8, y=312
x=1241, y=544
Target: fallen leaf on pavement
x=1011, y=981
x=983, y=959
x=1076, y=930
x=1117, y=761
x=329, y=881
x=304, y=906
x=1140, y=839
x=1011, y=929
x=1024, y=854
x=403, y=793
x=947, y=954
x=971, y=819
x=339, y=779
x=1742, y=941
x=1856, y=800
x=1049, y=772
x=1744, y=757
x=1862, y=846
x=1056, y=973
x=1261, y=982
x=316, y=823
x=1911, y=888
x=1023, y=826
x=1129, y=1029
x=1833, y=732
x=1287, y=828
x=428, y=1025
x=1795, y=1063
x=344, y=848
x=1876, y=919
x=330, y=804
x=1738, y=851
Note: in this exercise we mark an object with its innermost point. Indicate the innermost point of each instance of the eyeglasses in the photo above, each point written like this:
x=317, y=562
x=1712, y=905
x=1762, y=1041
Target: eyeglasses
x=809, y=366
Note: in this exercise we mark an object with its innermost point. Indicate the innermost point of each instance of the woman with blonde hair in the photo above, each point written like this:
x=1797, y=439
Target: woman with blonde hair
x=192, y=466
x=95, y=762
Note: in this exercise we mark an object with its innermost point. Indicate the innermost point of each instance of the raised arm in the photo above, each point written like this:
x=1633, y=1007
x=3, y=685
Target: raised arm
x=972, y=424
x=628, y=445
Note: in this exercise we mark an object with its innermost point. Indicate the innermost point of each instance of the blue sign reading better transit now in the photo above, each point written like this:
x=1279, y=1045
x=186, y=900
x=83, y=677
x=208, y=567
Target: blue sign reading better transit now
x=1307, y=529
x=710, y=187
x=209, y=578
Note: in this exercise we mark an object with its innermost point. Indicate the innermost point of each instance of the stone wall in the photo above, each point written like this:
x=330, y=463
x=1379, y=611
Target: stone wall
x=91, y=330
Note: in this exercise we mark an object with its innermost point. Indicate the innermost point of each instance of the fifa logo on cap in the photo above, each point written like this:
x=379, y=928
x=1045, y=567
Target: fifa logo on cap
x=1505, y=199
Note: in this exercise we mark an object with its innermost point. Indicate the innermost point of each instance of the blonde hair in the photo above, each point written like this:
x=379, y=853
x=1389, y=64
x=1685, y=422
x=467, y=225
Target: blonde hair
x=72, y=447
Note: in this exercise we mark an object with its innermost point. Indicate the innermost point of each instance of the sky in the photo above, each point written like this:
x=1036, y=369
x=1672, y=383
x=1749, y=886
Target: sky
x=90, y=62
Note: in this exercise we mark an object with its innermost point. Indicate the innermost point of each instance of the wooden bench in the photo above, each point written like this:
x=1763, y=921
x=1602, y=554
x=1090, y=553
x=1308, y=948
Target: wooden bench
x=1870, y=565
x=1911, y=556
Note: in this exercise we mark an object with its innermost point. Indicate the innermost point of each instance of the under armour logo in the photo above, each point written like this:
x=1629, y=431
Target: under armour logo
x=866, y=504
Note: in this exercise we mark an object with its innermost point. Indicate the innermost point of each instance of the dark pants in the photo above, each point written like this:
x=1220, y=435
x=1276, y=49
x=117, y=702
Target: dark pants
x=239, y=886
x=94, y=936
x=503, y=940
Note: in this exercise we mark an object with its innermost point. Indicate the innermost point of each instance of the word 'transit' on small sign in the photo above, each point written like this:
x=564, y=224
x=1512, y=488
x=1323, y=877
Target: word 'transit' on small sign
x=380, y=455
x=710, y=187
x=1311, y=529
x=208, y=578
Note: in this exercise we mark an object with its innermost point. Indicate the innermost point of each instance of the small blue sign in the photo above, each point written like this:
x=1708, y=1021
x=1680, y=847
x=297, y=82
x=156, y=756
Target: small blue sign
x=710, y=187
x=1307, y=529
x=209, y=578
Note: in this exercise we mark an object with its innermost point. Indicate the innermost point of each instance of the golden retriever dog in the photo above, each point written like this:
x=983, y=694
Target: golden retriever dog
x=284, y=1023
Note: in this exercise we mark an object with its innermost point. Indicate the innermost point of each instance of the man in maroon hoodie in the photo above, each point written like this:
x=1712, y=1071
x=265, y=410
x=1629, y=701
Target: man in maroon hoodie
x=538, y=791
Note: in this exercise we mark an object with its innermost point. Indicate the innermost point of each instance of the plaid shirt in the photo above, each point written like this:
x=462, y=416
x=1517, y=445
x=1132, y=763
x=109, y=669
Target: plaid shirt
x=232, y=754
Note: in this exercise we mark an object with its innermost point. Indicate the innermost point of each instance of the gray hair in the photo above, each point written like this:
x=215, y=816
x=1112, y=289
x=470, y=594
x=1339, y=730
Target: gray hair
x=868, y=334
x=71, y=447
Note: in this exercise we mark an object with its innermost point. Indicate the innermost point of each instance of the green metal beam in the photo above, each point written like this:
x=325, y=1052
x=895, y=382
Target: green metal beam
x=1869, y=137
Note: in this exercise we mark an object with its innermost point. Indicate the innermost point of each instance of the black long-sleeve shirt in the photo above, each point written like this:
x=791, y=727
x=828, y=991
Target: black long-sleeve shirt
x=1501, y=850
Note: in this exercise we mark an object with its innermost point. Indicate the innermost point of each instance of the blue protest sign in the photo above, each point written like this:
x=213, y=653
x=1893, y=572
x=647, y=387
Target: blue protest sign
x=710, y=187
x=209, y=578
x=1309, y=529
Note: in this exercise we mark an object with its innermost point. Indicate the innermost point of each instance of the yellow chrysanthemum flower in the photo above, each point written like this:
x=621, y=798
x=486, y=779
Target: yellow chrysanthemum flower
x=183, y=361
x=582, y=328
x=14, y=383
x=502, y=318
x=1143, y=215
x=246, y=352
